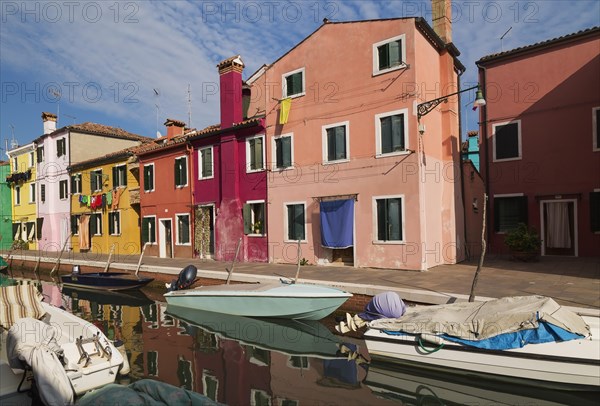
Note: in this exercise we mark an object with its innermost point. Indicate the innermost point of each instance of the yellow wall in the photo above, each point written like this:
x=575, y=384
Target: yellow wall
x=128, y=240
x=26, y=211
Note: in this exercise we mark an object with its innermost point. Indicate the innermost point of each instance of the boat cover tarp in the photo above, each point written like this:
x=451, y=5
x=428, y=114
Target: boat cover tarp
x=477, y=321
x=19, y=301
x=33, y=342
x=384, y=305
x=144, y=392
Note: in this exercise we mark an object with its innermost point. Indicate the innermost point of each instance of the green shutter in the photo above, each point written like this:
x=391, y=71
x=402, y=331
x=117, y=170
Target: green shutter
x=247, y=213
x=145, y=231
x=331, y=144
x=595, y=211
x=397, y=132
x=258, y=156
x=279, y=153
x=395, y=54
x=111, y=228
x=386, y=134
x=40, y=154
x=383, y=56
x=340, y=142
x=39, y=222
x=183, y=165
x=207, y=163
x=381, y=220
x=115, y=176
x=286, y=151
x=177, y=172
x=93, y=225
x=298, y=222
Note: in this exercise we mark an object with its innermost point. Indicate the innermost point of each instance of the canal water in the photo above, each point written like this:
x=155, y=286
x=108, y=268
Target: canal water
x=241, y=361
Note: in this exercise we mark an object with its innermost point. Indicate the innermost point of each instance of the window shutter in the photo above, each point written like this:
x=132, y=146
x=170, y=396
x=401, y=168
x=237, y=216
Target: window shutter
x=397, y=133
x=331, y=147
x=43, y=193
x=507, y=141
x=207, y=163
x=177, y=173
x=297, y=82
x=93, y=225
x=394, y=219
x=111, y=219
x=523, y=209
x=381, y=220
x=247, y=213
x=291, y=222
x=73, y=224
x=279, y=153
x=383, y=56
x=258, y=156
x=299, y=222
x=386, y=135
x=394, y=53
x=115, y=177
x=286, y=151
x=73, y=187
x=595, y=211
x=38, y=227
x=183, y=165
x=340, y=142
x=144, y=231
x=40, y=154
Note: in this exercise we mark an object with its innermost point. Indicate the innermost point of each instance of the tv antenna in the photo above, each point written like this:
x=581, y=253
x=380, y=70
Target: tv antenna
x=502, y=37
x=157, y=105
x=56, y=93
x=13, y=143
x=71, y=117
x=189, y=100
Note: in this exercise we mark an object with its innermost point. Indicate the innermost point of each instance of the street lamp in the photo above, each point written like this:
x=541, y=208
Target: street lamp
x=425, y=107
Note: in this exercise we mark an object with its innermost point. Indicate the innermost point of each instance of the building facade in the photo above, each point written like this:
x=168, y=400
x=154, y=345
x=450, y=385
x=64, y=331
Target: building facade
x=540, y=149
x=6, y=234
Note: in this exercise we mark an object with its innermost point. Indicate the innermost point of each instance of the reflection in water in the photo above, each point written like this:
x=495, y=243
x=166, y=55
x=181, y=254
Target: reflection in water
x=242, y=361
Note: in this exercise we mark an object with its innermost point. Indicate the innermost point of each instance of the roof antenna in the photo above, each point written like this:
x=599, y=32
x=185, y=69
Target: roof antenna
x=502, y=37
x=157, y=105
x=189, y=92
x=56, y=93
x=13, y=143
x=71, y=117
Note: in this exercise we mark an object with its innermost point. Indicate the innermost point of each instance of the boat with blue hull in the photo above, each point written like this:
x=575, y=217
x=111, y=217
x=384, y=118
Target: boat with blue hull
x=104, y=280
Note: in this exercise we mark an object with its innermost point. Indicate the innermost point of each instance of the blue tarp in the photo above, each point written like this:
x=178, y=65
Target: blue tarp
x=337, y=223
x=545, y=333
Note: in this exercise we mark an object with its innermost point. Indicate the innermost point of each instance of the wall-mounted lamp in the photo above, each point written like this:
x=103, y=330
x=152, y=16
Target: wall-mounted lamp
x=421, y=128
x=425, y=107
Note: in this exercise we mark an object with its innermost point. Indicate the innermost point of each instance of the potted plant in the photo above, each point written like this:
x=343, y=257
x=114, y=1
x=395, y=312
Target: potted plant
x=523, y=242
x=258, y=227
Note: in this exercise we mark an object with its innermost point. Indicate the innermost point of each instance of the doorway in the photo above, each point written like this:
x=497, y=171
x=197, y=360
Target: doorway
x=559, y=227
x=165, y=239
x=204, y=238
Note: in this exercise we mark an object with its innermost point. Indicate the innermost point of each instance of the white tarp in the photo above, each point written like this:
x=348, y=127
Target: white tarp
x=482, y=320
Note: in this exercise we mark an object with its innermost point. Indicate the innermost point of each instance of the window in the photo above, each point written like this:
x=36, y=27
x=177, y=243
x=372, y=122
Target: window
x=119, y=174
x=32, y=193
x=507, y=141
x=96, y=224
x=509, y=211
x=63, y=189
x=183, y=229
x=40, y=154
x=76, y=183
x=15, y=165
x=205, y=164
x=75, y=218
x=181, y=171
x=31, y=159
x=96, y=180
x=391, y=129
x=61, y=147
x=389, y=55
x=295, y=222
x=148, y=178
x=43, y=193
x=282, y=151
x=30, y=227
x=255, y=154
x=293, y=83
x=595, y=211
x=149, y=230
x=17, y=195
x=389, y=222
x=596, y=127
x=210, y=385
x=259, y=398
x=335, y=142
x=114, y=223
x=254, y=218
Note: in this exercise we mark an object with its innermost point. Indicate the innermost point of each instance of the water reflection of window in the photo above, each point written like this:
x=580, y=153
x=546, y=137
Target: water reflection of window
x=166, y=320
x=152, y=361
x=150, y=315
x=288, y=402
x=206, y=342
x=210, y=384
x=257, y=356
x=259, y=398
x=298, y=362
x=184, y=373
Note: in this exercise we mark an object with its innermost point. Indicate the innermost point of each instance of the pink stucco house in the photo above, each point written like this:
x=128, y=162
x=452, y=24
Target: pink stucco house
x=350, y=175
x=540, y=152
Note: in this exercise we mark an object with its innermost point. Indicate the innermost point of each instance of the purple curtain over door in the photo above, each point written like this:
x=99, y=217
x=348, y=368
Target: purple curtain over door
x=337, y=223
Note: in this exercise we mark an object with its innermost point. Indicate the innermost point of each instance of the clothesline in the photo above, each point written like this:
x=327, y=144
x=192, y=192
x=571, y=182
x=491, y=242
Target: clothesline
x=102, y=200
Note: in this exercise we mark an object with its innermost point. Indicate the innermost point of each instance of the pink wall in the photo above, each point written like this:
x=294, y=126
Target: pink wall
x=552, y=92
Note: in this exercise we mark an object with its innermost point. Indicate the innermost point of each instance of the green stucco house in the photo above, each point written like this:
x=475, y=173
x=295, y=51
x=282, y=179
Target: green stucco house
x=5, y=208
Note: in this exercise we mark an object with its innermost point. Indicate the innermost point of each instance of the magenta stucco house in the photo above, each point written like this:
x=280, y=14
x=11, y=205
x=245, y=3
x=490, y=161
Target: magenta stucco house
x=540, y=152
x=350, y=175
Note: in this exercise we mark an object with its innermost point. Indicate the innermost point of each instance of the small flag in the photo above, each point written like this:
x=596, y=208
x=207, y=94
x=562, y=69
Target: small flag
x=284, y=110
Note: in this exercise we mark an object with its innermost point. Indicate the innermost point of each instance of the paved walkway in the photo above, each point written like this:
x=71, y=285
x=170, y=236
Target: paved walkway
x=572, y=282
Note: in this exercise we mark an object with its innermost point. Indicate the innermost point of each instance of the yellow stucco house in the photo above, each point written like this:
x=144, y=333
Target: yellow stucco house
x=23, y=195
x=105, y=204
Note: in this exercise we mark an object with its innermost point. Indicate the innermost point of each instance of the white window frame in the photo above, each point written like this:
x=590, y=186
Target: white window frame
x=60, y=183
x=98, y=216
x=595, y=145
x=31, y=159
x=125, y=174
x=15, y=164
x=119, y=222
x=378, y=118
x=285, y=222
x=518, y=123
x=177, y=242
x=100, y=175
x=187, y=172
x=274, y=152
x=79, y=182
x=284, y=83
x=324, y=142
x=201, y=166
x=403, y=65
x=153, y=178
x=253, y=234
x=248, y=161
x=403, y=219
x=155, y=229
x=32, y=191
x=17, y=195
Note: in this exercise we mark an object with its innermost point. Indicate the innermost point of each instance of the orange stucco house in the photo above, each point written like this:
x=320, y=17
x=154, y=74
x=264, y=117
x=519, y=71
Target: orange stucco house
x=353, y=175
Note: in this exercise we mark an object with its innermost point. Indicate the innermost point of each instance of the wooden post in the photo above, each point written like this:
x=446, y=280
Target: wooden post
x=230, y=271
x=298, y=264
x=137, y=270
x=57, y=265
x=37, y=265
x=112, y=249
x=483, y=247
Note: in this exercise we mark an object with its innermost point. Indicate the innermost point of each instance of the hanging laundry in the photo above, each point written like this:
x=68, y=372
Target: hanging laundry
x=109, y=198
x=88, y=201
x=115, y=203
x=84, y=232
x=103, y=200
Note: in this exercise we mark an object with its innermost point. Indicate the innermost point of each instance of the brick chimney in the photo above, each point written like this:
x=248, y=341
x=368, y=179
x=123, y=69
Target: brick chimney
x=442, y=19
x=174, y=127
x=230, y=72
x=49, y=120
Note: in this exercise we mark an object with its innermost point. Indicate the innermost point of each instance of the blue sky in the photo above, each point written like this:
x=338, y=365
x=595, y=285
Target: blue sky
x=106, y=58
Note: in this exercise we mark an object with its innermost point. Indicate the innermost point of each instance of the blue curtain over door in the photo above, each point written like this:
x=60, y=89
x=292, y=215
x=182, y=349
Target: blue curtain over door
x=337, y=223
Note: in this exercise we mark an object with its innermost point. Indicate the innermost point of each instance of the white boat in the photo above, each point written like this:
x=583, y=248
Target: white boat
x=442, y=338
x=67, y=355
x=279, y=300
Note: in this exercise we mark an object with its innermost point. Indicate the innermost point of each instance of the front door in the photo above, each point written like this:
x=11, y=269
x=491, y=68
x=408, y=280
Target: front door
x=165, y=247
x=205, y=231
x=559, y=228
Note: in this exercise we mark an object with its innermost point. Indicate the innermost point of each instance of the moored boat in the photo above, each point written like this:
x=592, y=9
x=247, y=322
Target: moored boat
x=104, y=280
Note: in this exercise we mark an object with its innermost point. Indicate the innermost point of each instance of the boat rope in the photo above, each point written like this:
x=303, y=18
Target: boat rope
x=427, y=350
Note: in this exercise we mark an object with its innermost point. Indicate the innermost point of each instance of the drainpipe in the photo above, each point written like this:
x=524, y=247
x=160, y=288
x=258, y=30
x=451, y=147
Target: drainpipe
x=190, y=152
x=460, y=166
